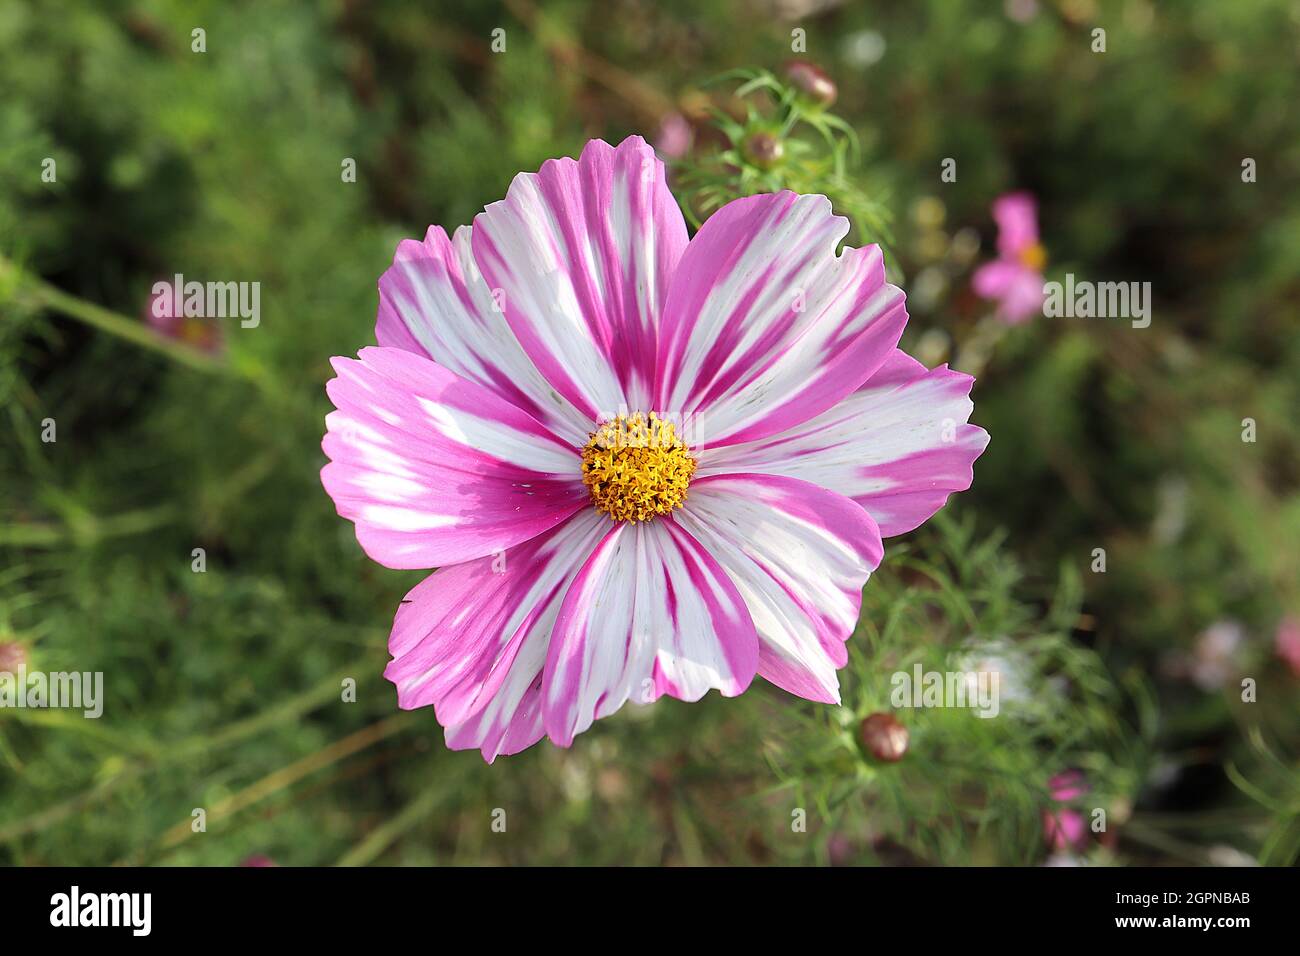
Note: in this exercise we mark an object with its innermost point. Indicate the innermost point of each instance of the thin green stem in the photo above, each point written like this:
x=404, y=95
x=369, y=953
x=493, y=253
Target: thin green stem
x=286, y=711
x=86, y=529
x=385, y=835
x=38, y=292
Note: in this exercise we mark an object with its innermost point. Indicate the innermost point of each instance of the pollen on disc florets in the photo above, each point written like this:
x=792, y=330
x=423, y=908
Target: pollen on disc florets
x=636, y=467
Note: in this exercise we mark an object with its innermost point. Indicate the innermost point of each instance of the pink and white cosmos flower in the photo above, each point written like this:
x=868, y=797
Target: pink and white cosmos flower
x=1015, y=279
x=1065, y=828
x=642, y=464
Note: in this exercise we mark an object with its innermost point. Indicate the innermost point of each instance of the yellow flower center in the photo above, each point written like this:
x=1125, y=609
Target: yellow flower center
x=1034, y=257
x=636, y=467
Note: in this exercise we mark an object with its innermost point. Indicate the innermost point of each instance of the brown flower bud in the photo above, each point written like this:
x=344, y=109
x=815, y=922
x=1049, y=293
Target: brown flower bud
x=763, y=149
x=812, y=81
x=885, y=737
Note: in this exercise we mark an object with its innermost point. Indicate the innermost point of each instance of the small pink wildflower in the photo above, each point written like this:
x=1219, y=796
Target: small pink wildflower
x=1015, y=279
x=1066, y=828
x=168, y=319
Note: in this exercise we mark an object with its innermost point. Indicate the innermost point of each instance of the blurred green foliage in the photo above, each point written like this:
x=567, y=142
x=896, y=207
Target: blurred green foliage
x=224, y=687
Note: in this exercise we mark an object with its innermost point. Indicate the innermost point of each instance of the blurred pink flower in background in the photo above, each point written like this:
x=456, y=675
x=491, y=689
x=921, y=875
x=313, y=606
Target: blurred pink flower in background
x=259, y=860
x=840, y=850
x=1022, y=11
x=167, y=317
x=675, y=136
x=12, y=657
x=1015, y=279
x=1287, y=642
x=1066, y=829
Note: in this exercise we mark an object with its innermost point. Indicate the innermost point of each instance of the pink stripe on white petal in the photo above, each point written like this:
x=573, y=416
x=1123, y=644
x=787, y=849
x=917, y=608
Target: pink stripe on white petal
x=434, y=469
x=799, y=556
x=765, y=327
x=650, y=613
x=899, y=446
x=471, y=639
x=582, y=253
x=433, y=301
x=899, y=369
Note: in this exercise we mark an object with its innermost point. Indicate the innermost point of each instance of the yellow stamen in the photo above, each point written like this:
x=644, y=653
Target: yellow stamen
x=636, y=467
x=1034, y=257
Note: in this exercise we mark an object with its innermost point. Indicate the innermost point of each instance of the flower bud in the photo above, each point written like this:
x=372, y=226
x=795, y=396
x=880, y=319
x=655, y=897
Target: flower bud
x=763, y=149
x=812, y=81
x=885, y=737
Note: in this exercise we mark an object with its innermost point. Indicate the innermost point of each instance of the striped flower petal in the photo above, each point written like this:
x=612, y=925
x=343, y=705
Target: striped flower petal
x=459, y=443
x=899, y=446
x=581, y=253
x=471, y=639
x=799, y=556
x=765, y=327
x=650, y=613
x=435, y=469
x=433, y=301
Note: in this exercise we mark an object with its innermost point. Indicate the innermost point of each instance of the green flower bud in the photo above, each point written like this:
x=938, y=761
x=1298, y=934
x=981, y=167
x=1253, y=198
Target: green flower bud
x=763, y=149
